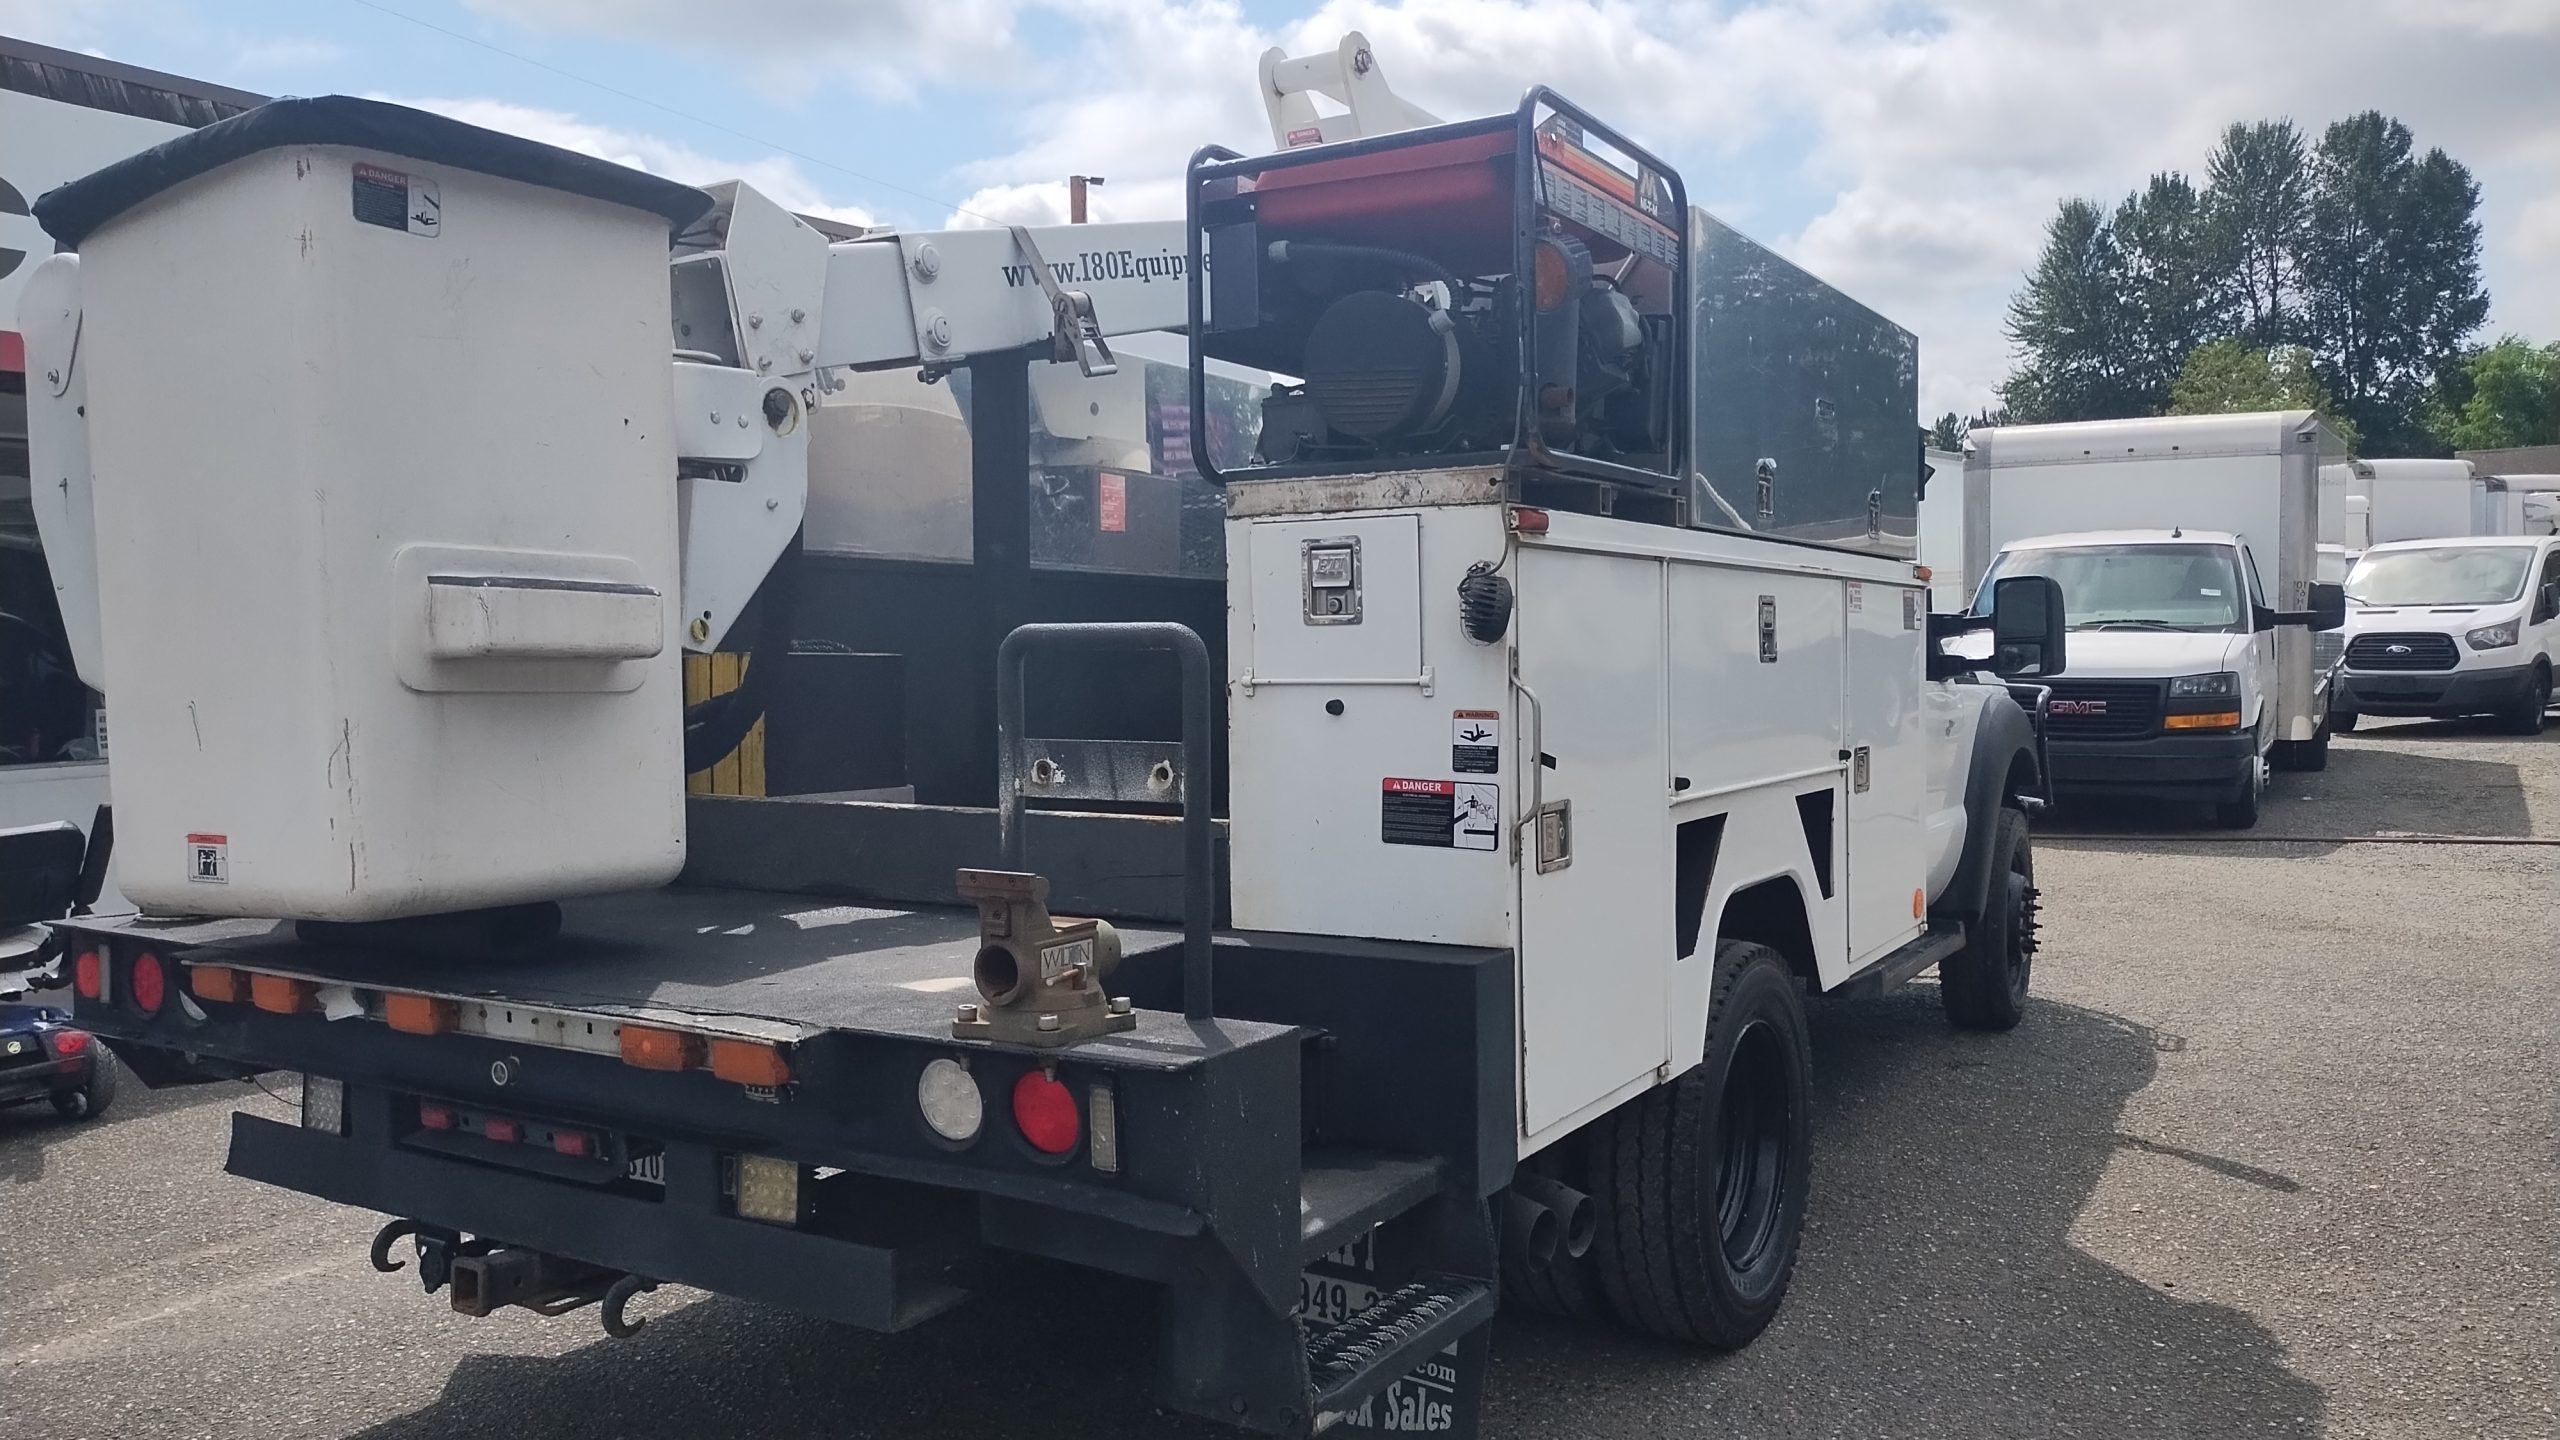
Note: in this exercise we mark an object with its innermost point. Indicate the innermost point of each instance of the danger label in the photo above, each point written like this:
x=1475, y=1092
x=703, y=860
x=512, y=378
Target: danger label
x=1475, y=742
x=1448, y=814
x=1111, y=507
x=397, y=201
x=209, y=859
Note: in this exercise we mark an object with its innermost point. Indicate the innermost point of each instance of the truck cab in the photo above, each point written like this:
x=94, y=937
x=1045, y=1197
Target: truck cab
x=2173, y=688
x=2448, y=628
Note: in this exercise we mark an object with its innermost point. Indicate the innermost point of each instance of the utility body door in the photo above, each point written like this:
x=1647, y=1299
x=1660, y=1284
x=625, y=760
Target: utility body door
x=1595, y=934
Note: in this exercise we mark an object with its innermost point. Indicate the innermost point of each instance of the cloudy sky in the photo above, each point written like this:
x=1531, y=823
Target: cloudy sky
x=1907, y=150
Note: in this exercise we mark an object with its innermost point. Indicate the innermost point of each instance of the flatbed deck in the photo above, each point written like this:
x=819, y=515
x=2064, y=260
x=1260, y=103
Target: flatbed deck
x=799, y=962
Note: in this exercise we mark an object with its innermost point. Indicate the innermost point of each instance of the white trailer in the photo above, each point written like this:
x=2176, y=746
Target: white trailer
x=1942, y=531
x=2188, y=553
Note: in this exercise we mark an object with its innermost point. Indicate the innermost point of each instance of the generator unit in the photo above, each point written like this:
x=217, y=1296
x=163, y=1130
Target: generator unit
x=1452, y=296
x=1531, y=293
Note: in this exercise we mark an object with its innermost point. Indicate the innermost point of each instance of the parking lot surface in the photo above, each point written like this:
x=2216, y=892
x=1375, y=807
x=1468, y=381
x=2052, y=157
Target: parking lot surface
x=2272, y=1156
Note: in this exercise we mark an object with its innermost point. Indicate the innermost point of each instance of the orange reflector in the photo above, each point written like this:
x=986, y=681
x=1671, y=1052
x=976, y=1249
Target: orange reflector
x=748, y=1063
x=1923, y=572
x=417, y=1014
x=217, y=982
x=1919, y=904
x=280, y=994
x=1529, y=520
x=2215, y=720
x=654, y=1049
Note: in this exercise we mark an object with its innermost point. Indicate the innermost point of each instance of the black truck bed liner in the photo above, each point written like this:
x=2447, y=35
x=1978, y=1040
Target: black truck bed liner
x=798, y=960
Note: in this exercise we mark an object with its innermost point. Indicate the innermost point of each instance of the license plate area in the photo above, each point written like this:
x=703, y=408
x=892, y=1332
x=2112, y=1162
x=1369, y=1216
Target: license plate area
x=558, y=1149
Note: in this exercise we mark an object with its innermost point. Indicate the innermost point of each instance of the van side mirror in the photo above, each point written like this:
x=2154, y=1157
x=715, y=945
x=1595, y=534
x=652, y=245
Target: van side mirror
x=2027, y=627
x=2548, y=606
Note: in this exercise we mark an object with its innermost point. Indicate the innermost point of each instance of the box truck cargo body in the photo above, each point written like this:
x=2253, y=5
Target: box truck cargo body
x=2187, y=549
x=2435, y=500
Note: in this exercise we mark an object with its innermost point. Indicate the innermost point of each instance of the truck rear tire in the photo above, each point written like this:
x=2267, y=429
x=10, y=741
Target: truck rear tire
x=1984, y=985
x=1702, y=1182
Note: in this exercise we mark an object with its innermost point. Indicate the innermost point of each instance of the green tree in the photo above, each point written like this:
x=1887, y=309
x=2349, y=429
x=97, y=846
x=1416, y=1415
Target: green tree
x=1948, y=433
x=2072, y=325
x=2171, y=283
x=2501, y=395
x=2257, y=204
x=2233, y=376
x=2390, y=274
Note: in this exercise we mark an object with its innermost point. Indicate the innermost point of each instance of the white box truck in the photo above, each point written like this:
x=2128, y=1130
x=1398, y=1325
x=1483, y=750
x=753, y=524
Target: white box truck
x=1942, y=530
x=2435, y=500
x=2187, y=551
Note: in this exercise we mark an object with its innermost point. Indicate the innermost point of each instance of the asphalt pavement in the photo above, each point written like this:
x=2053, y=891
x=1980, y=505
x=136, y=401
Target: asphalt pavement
x=2273, y=1155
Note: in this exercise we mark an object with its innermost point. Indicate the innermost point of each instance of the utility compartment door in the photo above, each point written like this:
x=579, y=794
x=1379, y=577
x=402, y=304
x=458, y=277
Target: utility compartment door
x=1595, y=935
x=1888, y=768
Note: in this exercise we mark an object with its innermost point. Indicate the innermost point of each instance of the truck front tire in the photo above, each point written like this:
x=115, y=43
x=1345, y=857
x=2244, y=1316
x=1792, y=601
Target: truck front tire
x=2525, y=718
x=1984, y=985
x=1702, y=1182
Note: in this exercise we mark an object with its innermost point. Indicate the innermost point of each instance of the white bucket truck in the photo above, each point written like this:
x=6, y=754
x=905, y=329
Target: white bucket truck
x=2186, y=548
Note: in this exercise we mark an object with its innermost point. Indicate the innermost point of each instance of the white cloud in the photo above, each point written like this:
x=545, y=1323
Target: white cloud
x=1942, y=133
x=891, y=49
x=289, y=52
x=779, y=178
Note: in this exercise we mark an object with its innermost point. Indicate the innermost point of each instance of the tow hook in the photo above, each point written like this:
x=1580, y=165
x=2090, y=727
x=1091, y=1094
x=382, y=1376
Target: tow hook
x=616, y=1296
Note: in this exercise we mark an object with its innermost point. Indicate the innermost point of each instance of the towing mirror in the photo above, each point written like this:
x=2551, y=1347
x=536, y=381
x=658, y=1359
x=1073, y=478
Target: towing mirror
x=39, y=872
x=2027, y=625
x=2328, y=609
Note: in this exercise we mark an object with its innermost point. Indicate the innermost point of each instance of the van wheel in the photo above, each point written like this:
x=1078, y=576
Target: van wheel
x=2526, y=717
x=95, y=1094
x=1702, y=1183
x=1984, y=985
x=2241, y=813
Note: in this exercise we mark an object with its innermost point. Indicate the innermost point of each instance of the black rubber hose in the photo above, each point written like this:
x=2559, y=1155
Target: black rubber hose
x=714, y=727
x=1403, y=262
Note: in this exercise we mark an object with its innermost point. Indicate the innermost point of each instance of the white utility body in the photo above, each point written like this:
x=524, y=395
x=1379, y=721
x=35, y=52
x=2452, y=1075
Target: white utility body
x=1673, y=676
x=2180, y=544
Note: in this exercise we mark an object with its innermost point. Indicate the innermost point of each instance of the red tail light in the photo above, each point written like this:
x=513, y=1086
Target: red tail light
x=573, y=1142
x=67, y=1043
x=150, y=986
x=85, y=972
x=435, y=1117
x=1045, y=1112
x=504, y=1131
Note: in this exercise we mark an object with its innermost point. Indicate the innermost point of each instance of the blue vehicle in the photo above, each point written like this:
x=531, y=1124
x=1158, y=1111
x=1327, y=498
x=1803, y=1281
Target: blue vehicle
x=43, y=1057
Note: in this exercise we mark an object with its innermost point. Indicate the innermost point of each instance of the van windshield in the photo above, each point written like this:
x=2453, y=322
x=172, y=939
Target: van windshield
x=2134, y=587
x=2441, y=575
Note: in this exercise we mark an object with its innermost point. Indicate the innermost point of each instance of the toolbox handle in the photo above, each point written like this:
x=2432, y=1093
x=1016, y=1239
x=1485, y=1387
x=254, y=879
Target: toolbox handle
x=1199, y=874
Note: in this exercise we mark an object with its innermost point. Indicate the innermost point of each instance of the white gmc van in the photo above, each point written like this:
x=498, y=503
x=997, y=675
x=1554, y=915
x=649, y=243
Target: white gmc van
x=2442, y=628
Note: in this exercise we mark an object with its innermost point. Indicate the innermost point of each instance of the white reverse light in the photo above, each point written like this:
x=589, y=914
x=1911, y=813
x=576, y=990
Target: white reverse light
x=948, y=1095
x=324, y=1104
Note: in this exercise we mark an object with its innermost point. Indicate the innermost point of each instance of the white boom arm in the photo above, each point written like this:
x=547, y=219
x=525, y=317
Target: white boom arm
x=1349, y=76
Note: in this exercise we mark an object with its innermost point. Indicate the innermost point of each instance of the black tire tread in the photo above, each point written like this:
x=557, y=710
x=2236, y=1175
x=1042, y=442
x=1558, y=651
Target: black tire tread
x=1655, y=1242
x=1973, y=983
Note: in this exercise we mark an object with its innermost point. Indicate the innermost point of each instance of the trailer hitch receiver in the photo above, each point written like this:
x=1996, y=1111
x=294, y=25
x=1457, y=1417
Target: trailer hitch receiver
x=1040, y=976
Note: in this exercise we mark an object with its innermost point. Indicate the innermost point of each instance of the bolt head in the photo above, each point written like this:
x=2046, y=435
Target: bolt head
x=808, y=355
x=742, y=422
x=1120, y=1005
x=927, y=263
x=755, y=322
x=1048, y=1022
x=968, y=1014
x=937, y=332
x=798, y=314
x=715, y=417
